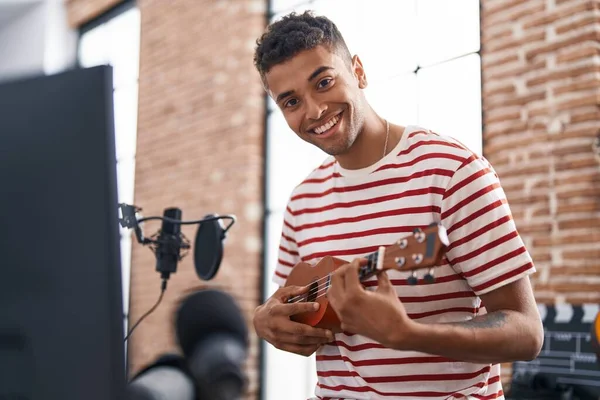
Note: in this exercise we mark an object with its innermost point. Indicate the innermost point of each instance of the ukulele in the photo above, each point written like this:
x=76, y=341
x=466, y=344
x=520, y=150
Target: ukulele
x=423, y=249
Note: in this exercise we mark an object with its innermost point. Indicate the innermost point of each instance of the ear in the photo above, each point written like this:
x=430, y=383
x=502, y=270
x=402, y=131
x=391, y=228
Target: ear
x=359, y=72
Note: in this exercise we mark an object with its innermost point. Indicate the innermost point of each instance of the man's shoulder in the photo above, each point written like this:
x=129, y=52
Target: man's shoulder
x=420, y=136
x=425, y=143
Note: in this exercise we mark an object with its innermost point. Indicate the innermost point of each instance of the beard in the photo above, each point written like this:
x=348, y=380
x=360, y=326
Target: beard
x=344, y=140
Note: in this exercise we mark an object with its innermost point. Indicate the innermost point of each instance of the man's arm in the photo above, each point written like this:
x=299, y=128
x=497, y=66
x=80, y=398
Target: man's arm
x=510, y=331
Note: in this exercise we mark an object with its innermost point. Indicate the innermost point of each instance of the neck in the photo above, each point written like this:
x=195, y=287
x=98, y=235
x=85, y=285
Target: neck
x=368, y=147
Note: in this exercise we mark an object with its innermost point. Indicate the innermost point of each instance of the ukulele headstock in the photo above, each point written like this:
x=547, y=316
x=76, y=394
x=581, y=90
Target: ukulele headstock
x=424, y=249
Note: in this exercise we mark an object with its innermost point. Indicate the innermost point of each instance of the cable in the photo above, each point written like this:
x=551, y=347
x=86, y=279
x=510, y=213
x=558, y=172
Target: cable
x=162, y=292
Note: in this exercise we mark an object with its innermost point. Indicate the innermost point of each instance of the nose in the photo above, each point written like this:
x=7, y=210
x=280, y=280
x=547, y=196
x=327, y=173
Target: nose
x=315, y=109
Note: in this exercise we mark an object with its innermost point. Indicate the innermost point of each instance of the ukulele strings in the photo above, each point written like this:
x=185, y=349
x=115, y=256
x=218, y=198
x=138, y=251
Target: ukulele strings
x=318, y=288
x=316, y=291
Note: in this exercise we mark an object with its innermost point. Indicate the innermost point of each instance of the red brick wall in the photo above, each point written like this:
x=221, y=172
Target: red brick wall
x=541, y=98
x=200, y=148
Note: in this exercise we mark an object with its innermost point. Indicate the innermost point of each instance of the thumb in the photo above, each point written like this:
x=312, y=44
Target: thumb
x=384, y=284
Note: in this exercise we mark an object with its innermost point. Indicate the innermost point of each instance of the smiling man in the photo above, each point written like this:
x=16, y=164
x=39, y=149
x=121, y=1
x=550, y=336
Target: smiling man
x=378, y=182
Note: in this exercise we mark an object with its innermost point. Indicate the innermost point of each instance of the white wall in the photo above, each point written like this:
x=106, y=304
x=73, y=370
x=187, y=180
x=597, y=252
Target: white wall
x=34, y=38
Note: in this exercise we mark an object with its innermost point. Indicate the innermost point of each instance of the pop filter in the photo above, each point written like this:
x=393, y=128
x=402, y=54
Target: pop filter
x=208, y=247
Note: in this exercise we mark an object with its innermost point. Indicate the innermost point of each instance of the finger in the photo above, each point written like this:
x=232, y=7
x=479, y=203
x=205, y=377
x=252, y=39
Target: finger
x=383, y=283
x=289, y=309
x=300, y=329
x=288, y=292
x=351, y=278
x=298, y=339
x=304, y=350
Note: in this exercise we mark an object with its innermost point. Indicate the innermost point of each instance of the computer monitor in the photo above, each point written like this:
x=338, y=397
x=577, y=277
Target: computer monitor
x=61, y=314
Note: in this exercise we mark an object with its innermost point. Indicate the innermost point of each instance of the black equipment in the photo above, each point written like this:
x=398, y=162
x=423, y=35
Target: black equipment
x=61, y=319
x=213, y=336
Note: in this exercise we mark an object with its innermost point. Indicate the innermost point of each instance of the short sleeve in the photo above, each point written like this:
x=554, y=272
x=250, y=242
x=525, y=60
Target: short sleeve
x=485, y=246
x=288, y=249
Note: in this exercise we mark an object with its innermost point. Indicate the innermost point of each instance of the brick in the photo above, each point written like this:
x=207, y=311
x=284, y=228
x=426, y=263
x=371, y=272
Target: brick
x=578, y=223
x=496, y=116
x=569, y=72
x=581, y=254
x=587, y=207
x=581, y=37
x=583, y=51
x=587, y=270
x=513, y=13
x=501, y=7
x=521, y=100
x=579, y=163
x=592, y=179
x=547, y=19
x=572, y=149
x=545, y=227
x=591, y=99
x=579, y=192
x=578, y=85
x=513, y=43
x=515, y=126
x=568, y=239
x=506, y=89
x=502, y=60
x=590, y=19
x=521, y=141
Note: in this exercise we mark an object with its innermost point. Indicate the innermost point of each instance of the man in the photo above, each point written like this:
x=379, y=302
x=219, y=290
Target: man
x=380, y=181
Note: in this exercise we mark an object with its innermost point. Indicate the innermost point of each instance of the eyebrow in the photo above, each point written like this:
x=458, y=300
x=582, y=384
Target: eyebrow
x=312, y=76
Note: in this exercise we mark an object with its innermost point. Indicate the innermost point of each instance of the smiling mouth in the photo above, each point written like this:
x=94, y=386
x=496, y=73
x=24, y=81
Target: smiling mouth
x=332, y=122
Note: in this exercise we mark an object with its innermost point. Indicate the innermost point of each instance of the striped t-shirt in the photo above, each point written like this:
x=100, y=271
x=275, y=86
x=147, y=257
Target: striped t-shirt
x=426, y=178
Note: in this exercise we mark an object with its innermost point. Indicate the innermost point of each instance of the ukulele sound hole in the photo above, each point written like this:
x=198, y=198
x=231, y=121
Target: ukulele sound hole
x=313, y=292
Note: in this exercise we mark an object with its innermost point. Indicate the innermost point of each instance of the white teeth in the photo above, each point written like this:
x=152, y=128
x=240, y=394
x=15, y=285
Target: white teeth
x=328, y=125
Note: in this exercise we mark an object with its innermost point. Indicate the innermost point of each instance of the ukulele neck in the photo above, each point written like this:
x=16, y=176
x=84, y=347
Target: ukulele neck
x=375, y=261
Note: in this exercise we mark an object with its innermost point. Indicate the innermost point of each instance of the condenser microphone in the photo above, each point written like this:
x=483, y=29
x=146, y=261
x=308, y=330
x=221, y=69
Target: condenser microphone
x=169, y=243
x=213, y=337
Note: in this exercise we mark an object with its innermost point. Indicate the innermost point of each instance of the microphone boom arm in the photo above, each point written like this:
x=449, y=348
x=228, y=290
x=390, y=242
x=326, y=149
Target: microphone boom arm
x=129, y=220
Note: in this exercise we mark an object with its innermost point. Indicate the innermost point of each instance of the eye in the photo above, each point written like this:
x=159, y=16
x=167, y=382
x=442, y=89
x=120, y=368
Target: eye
x=324, y=83
x=291, y=103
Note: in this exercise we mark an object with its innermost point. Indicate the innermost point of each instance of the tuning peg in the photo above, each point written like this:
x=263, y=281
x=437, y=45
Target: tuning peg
x=417, y=258
x=402, y=243
x=419, y=235
x=412, y=279
x=400, y=261
x=429, y=276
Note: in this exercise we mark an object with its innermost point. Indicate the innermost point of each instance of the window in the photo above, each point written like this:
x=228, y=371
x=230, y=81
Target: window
x=114, y=39
x=423, y=66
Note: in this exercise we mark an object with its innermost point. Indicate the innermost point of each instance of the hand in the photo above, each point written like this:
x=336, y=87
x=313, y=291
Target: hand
x=272, y=323
x=378, y=314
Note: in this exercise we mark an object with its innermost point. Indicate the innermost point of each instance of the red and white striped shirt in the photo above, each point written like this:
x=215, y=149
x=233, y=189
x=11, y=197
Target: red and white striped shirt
x=350, y=213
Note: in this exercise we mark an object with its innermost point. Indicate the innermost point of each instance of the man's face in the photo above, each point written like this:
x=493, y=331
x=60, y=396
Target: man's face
x=321, y=98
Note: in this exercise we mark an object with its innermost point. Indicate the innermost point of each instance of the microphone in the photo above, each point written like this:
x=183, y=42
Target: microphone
x=169, y=243
x=213, y=336
x=166, y=378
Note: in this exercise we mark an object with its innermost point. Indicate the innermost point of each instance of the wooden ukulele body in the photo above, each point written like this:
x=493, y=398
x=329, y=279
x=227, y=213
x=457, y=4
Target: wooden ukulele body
x=316, y=277
x=423, y=249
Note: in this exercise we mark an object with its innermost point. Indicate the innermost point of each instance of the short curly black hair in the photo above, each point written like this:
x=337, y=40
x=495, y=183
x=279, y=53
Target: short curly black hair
x=294, y=33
